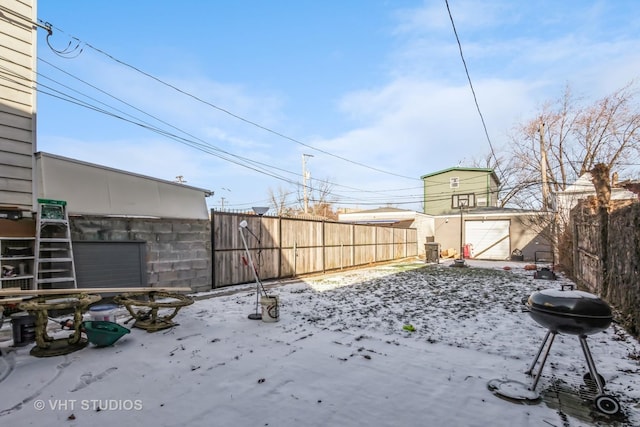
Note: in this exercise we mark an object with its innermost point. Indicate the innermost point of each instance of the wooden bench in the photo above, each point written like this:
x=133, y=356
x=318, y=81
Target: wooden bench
x=15, y=292
x=12, y=300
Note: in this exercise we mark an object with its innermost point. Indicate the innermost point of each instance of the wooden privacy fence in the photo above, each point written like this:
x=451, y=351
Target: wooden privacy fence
x=287, y=247
x=611, y=267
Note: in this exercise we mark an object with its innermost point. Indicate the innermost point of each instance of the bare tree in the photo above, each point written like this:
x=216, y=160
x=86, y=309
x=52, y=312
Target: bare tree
x=568, y=139
x=323, y=199
x=320, y=196
x=565, y=139
x=504, y=167
x=278, y=200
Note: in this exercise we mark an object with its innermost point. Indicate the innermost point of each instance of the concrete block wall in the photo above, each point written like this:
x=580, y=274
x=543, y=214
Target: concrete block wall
x=178, y=251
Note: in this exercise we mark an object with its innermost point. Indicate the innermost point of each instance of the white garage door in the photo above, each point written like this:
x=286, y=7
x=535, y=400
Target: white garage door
x=490, y=239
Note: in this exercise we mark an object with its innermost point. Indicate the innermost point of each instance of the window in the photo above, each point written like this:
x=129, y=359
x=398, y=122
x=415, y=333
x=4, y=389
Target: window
x=454, y=182
x=463, y=201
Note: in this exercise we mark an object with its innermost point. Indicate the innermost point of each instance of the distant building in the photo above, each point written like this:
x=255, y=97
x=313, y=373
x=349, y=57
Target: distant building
x=127, y=229
x=580, y=190
x=448, y=190
x=393, y=217
x=632, y=186
x=461, y=213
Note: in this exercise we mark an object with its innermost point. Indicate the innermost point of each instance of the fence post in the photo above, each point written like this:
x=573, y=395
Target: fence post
x=406, y=242
x=213, y=248
x=353, y=245
x=324, y=247
x=279, y=247
x=295, y=259
x=576, y=253
x=375, y=244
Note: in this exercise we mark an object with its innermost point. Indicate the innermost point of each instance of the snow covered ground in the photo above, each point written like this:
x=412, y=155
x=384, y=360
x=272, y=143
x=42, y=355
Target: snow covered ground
x=405, y=344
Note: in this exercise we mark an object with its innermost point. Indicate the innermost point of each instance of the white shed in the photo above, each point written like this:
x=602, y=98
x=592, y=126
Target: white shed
x=394, y=217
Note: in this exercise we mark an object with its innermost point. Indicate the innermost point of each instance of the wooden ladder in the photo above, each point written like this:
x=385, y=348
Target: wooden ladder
x=54, y=266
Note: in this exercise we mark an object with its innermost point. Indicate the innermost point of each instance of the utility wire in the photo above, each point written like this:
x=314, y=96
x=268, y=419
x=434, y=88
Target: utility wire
x=183, y=140
x=475, y=98
x=203, y=146
x=344, y=199
x=224, y=110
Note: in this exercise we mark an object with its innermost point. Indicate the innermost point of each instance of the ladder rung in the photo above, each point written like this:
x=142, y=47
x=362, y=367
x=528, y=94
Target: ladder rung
x=53, y=221
x=53, y=270
x=43, y=260
x=52, y=202
x=56, y=280
x=54, y=239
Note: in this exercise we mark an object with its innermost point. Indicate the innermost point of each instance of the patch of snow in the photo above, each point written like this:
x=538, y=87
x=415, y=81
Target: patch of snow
x=340, y=355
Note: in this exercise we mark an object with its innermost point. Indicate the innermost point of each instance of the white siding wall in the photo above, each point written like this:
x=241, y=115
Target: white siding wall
x=91, y=189
x=17, y=102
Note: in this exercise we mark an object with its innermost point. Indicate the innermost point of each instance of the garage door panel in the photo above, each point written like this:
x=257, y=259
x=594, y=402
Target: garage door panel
x=490, y=239
x=110, y=264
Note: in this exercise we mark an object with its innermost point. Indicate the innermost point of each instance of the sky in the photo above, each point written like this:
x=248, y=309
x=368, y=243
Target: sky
x=373, y=94
x=352, y=349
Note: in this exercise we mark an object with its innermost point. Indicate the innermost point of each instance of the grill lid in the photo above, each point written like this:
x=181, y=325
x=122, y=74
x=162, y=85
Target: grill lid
x=569, y=311
x=569, y=302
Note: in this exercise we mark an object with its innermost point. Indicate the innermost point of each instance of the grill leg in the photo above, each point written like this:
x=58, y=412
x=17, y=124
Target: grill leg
x=550, y=336
x=592, y=366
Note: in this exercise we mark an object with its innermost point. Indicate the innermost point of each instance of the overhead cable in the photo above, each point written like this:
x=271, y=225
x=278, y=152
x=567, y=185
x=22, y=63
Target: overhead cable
x=234, y=115
x=475, y=98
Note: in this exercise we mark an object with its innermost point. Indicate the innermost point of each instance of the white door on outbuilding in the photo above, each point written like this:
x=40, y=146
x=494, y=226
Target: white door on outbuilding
x=489, y=239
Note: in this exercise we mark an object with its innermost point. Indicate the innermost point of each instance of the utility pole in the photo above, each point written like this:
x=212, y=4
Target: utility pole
x=543, y=169
x=305, y=176
x=222, y=199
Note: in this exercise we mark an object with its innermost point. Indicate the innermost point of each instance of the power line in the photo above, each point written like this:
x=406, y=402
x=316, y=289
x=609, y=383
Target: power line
x=208, y=146
x=203, y=146
x=475, y=98
x=221, y=109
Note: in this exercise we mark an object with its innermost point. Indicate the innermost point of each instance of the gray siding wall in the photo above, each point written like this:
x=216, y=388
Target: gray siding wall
x=17, y=103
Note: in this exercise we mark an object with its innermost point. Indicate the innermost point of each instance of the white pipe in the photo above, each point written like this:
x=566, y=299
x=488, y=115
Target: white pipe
x=253, y=267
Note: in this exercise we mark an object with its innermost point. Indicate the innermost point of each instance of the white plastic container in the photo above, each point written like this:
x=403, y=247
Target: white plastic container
x=270, y=308
x=103, y=312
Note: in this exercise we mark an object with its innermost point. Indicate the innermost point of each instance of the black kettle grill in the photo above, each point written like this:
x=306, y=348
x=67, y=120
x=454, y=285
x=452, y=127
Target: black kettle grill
x=573, y=312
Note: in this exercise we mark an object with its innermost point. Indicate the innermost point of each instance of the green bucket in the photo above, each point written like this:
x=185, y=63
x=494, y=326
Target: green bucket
x=103, y=333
